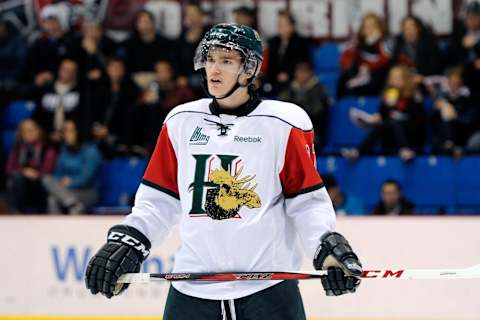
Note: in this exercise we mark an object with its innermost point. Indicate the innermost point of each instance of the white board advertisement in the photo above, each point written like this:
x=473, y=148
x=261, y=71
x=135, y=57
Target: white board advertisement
x=43, y=261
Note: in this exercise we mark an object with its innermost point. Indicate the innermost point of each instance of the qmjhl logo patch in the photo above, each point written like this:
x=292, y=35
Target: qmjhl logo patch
x=198, y=137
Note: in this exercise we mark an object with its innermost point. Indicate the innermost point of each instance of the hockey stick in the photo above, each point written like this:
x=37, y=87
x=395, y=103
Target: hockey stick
x=466, y=273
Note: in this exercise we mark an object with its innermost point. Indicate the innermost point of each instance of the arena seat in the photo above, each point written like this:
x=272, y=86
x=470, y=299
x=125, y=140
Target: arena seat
x=329, y=80
x=8, y=139
x=429, y=183
x=434, y=184
x=467, y=185
x=119, y=181
x=341, y=131
x=334, y=166
x=365, y=176
x=15, y=112
x=326, y=57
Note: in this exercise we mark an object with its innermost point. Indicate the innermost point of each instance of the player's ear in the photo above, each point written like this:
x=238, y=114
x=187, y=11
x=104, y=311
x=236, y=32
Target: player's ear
x=245, y=78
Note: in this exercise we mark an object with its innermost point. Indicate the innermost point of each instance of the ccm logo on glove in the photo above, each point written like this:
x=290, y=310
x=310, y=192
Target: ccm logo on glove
x=128, y=240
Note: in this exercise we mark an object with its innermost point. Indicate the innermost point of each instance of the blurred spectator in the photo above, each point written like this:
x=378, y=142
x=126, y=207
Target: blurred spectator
x=145, y=47
x=473, y=143
x=115, y=110
x=58, y=101
x=365, y=60
x=12, y=60
x=344, y=204
x=193, y=30
x=392, y=201
x=46, y=53
x=73, y=186
x=284, y=51
x=29, y=160
x=13, y=50
x=453, y=116
x=465, y=48
x=162, y=95
x=398, y=123
x=306, y=91
x=94, y=50
x=245, y=15
x=416, y=47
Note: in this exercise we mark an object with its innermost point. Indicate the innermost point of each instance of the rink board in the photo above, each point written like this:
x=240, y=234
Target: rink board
x=44, y=278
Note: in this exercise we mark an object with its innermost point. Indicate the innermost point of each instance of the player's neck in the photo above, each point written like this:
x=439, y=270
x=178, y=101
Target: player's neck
x=238, y=98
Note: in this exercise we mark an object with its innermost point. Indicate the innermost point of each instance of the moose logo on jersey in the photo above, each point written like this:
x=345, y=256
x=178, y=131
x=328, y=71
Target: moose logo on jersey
x=226, y=192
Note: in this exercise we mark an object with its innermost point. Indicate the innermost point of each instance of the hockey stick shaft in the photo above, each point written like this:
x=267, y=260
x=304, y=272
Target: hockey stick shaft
x=467, y=273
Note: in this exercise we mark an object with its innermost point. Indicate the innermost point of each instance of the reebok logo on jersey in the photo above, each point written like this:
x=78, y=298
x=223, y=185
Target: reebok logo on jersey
x=198, y=137
x=247, y=139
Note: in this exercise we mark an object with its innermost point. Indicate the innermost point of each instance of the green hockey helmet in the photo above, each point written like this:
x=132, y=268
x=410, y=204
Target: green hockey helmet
x=232, y=36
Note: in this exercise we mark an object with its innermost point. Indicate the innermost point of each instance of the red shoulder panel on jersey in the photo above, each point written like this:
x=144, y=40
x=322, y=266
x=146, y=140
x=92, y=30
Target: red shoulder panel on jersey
x=161, y=171
x=299, y=173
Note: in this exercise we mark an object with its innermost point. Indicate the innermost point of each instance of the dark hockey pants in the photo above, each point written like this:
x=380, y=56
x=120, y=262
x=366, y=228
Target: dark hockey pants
x=279, y=302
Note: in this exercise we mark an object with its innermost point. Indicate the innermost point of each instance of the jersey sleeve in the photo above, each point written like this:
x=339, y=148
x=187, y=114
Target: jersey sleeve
x=299, y=173
x=157, y=204
x=307, y=202
x=161, y=171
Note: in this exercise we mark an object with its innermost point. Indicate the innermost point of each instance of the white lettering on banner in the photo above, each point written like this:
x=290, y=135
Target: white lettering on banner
x=397, y=10
x=168, y=17
x=312, y=17
x=340, y=18
x=267, y=16
x=223, y=10
x=436, y=13
x=316, y=18
x=347, y=15
x=341, y=22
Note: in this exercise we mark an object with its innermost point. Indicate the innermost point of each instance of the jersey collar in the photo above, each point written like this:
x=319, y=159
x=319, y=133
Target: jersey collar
x=240, y=111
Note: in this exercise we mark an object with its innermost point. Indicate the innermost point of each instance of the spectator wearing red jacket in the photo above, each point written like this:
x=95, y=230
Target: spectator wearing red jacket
x=364, y=62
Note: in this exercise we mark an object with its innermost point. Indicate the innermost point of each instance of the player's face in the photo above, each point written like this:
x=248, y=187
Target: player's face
x=223, y=68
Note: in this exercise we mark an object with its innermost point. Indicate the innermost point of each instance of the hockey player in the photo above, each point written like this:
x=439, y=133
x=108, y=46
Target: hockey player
x=238, y=174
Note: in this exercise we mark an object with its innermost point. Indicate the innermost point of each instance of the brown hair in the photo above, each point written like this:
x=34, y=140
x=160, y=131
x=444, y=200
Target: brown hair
x=286, y=13
x=455, y=71
x=19, y=129
x=409, y=85
x=378, y=21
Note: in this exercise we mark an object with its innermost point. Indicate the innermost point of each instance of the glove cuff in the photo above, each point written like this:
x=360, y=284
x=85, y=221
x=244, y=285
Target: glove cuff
x=131, y=237
x=333, y=244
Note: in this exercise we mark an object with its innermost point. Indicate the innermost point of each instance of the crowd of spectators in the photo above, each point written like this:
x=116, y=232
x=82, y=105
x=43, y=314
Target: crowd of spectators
x=100, y=98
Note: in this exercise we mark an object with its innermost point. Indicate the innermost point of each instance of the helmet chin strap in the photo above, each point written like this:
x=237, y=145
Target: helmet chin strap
x=232, y=90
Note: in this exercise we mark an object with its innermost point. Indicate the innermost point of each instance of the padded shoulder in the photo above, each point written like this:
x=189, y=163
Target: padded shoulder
x=287, y=112
x=197, y=106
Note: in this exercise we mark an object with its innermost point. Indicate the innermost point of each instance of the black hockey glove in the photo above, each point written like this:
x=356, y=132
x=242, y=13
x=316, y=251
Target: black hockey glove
x=337, y=257
x=124, y=252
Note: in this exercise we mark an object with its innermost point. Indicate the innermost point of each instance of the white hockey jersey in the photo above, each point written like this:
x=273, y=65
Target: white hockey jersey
x=244, y=188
